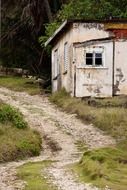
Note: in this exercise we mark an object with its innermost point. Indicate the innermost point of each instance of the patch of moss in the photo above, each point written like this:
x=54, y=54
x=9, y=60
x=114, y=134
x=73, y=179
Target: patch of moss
x=34, y=176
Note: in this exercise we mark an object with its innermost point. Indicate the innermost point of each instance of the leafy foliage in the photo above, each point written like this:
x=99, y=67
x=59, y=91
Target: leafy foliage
x=9, y=114
x=89, y=9
x=17, y=140
x=20, y=30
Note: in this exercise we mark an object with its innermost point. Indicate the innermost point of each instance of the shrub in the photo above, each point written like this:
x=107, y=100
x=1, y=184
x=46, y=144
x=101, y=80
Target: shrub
x=17, y=140
x=9, y=114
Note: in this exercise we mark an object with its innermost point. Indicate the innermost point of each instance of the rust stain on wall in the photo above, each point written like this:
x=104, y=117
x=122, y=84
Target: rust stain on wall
x=119, y=79
x=109, y=26
x=120, y=34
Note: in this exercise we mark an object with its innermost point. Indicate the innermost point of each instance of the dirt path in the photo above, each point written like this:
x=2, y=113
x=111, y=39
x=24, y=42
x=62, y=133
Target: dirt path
x=60, y=132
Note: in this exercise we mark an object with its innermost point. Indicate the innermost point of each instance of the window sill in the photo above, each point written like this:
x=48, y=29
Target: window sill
x=87, y=67
x=65, y=73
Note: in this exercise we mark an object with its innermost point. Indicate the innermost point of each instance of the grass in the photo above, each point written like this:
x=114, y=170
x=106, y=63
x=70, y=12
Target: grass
x=20, y=84
x=111, y=119
x=33, y=174
x=81, y=146
x=105, y=166
x=17, y=140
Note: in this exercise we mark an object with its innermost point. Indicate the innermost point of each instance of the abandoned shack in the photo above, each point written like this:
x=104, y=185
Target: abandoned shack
x=89, y=57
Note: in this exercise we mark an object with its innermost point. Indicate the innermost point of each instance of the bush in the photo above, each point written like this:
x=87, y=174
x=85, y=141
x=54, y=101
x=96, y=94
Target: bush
x=17, y=140
x=9, y=114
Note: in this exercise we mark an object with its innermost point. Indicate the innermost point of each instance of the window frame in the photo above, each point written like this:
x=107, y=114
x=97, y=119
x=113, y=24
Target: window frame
x=94, y=51
x=66, y=57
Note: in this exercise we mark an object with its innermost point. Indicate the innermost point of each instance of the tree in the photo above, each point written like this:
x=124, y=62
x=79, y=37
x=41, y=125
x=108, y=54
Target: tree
x=21, y=27
x=88, y=9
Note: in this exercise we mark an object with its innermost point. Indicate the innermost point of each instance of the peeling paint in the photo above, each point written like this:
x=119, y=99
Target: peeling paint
x=82, y=80
x=120, y=34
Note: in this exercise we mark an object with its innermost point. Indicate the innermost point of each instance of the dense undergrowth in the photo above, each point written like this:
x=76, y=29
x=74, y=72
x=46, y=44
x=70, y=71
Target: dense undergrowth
x=17, y=140
x=105, y=166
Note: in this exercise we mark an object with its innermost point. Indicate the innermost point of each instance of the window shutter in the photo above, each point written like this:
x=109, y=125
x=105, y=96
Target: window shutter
x=65, y=56
x=56, y=63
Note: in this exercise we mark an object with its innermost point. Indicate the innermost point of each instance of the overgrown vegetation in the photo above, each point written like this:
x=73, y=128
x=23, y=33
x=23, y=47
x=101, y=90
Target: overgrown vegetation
x=105, y=166
x=22, y=22
x=111, y=119
x=26, y=21
x=17, y=140
x=102, y=9
x=20, y=84
x=9, y=114
x=34, y=175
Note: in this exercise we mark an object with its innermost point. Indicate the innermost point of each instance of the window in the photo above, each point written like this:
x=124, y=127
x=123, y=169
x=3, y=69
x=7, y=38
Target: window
x=98, y=59
x=94, y=56
x=56, y=63
x=89, y=58
x=65, y=56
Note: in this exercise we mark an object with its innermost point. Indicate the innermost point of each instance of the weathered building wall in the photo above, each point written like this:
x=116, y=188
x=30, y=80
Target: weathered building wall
x=94, y=81
x=89, y=31
x=120, y=75
x=77, y=33
x=64, y=78
x=82, y=81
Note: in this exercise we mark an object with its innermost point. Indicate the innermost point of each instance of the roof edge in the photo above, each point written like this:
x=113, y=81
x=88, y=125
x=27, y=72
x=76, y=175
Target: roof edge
x=56, y=32
x=78, y=44
x=70, y=21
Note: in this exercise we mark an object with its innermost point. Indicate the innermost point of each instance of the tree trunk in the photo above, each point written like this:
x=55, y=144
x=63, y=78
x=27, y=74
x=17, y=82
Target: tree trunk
x=48, y=10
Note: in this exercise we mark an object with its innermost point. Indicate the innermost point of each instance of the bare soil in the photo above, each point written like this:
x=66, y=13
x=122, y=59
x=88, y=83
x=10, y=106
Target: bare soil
x=60, y=132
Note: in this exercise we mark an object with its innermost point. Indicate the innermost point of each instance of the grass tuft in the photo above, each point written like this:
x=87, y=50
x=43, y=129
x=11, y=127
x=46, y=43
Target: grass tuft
x=104, y=167
x=33, y=174
x=112, y=120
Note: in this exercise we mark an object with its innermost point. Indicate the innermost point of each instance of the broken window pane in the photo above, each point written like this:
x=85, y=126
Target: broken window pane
x=98, y=59
x=89, y=58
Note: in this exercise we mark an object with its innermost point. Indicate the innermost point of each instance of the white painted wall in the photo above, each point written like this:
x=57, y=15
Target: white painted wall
x=79, y=32
x=94, y=81
x=65, y=78
x=88, y=31
x=121, y=67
